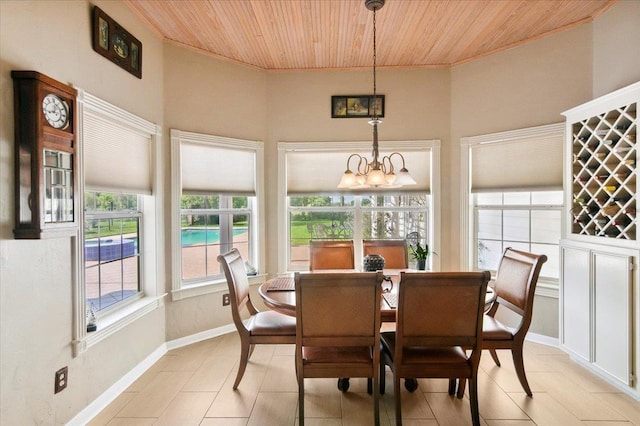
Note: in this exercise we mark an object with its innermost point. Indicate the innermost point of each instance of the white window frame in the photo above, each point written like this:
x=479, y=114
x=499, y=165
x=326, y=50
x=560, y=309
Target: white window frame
x=151, y=277
x=180, y=288
x=349, y=147
x=467, y=205
x=544, y=282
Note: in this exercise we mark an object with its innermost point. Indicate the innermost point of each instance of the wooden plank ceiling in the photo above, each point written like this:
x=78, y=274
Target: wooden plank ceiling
x=338, y=34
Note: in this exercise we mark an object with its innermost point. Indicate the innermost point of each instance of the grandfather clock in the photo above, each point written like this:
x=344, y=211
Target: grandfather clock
x=45, y=157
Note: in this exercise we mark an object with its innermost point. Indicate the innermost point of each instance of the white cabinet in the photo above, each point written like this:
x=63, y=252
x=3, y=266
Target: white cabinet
x=612, y=320
x=575, y=295
x=597, y=308
x=599, y=294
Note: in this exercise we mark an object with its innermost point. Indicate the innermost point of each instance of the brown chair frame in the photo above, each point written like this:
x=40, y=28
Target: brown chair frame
x=268, y=327
x=439, y=316
x=338, y=329
x=338, y=254
x=515, y=288
x=394, y=252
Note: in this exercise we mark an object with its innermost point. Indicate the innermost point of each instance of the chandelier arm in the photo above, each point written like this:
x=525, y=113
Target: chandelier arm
x=401, y=156
x=384, y=168
x=363, y=166
x=349, y=160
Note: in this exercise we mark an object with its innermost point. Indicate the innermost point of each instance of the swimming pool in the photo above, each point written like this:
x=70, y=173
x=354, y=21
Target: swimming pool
x=194, y=236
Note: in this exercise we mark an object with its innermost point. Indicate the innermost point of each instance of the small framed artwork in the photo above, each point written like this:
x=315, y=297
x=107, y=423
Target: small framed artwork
x=115, y=43
x=353, y=106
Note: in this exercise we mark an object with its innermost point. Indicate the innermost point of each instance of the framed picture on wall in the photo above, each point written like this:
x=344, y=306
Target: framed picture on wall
x=115, y=43
x=355, y=106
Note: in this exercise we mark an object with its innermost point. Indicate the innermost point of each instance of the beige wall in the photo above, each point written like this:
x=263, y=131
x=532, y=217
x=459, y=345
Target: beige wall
x=36, y=276
x=616, y=48
x=416, y=107
x=210, y=96
x=525, y=86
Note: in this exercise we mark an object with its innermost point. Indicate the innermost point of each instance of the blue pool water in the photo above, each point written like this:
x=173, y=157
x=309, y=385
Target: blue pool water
x=192, y=237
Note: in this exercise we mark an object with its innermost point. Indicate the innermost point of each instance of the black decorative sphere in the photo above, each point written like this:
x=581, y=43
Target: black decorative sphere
x=373, y=262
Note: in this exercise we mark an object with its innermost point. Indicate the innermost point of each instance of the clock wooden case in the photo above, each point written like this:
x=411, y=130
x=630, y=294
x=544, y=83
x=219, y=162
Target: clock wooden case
x=45, y=156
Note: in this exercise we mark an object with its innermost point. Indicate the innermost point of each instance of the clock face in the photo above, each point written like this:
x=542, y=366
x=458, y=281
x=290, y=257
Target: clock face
x=56, y=111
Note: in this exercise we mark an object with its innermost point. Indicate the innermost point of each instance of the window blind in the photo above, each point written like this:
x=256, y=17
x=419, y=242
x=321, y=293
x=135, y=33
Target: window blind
x=314, y=172
x=213, y=169
x=526, y=164
x=116, y=158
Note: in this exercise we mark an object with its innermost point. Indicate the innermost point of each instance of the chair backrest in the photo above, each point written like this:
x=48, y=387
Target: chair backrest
x=516, y=281
x=394, y=252
x=338, y=309
x=331, y=255
x=238, y=284
x=440, y=309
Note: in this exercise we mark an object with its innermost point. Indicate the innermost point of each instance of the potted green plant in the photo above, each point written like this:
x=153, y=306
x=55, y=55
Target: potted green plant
x=420, y=254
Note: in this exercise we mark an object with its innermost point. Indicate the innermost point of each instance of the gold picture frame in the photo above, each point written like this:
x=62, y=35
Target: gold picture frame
x=356, y=106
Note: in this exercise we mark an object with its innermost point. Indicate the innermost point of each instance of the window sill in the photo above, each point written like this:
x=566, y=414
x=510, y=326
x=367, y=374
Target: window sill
x=116, y=321
x=216, y=286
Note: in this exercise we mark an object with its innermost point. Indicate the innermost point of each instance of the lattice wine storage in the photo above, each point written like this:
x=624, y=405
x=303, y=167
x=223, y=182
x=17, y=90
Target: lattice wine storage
x=604, y=174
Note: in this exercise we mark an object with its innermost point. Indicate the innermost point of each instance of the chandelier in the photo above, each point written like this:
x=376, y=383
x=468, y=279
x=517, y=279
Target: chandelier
x=377, y=173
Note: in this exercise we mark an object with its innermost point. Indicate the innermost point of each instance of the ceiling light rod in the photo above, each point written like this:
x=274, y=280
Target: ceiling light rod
x=376, y=174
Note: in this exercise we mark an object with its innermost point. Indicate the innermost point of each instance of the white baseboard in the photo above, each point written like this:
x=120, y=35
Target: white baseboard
x=107, y=397
x=199, y=337
x=543, y=340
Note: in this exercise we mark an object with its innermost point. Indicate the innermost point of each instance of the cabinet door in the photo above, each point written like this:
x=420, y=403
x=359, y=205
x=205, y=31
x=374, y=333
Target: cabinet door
x=575, y=293
x=612, y=309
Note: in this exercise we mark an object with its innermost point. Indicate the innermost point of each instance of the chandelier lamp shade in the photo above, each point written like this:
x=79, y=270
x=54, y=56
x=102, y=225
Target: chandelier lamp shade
x=377, y=173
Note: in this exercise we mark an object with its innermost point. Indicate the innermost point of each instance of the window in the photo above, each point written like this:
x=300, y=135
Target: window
x=111, y=251
x=315, y=209
x=211, y=225
x=117, y=273
x=216, y=199
x=350, y=217
x=514, y=192
x=529, y=221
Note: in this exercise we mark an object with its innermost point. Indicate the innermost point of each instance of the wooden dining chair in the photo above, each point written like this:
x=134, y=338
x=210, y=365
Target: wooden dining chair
x=439, y=316
x=338, y=329
x=515, y=289
x=331, y=255
x=268, y=327
x=394, y=252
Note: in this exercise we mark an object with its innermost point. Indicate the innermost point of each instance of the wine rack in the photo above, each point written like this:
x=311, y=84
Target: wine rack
x=604, y=180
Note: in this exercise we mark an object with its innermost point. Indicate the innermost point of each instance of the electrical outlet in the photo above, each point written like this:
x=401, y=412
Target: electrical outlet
x=225, y=299
x=61, y=379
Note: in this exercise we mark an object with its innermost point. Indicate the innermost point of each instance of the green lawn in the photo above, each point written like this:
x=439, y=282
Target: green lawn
x=109, y=227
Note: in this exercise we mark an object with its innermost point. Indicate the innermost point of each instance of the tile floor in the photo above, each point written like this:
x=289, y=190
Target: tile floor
x=192, y=386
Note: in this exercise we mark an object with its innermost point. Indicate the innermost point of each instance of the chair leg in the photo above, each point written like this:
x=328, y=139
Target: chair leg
x=462, y=383
x=301, y=401
x=452, y=386
x=251, y=348
x=376, y=401
x=518, y=363
x=244, y=358
x=369, y=385
x=397, y=396
x=382, y=378
x=473, y=400
x=494, y=355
